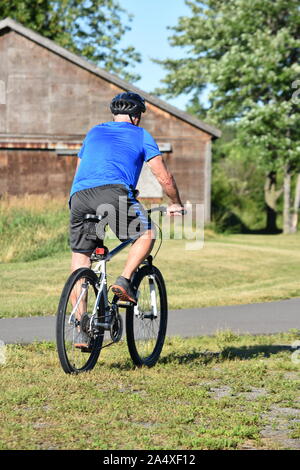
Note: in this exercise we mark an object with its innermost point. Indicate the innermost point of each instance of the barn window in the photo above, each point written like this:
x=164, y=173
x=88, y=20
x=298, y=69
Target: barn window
x=165, y=147
x=148, y=185
x=67, y=152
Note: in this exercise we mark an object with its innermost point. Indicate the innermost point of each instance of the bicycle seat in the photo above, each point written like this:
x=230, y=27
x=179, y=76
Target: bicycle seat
x=93, y=218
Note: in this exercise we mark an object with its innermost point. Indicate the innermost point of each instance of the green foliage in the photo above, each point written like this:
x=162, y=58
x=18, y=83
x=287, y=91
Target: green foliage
x=91, y=28
x=237, y=186
x=248, y=53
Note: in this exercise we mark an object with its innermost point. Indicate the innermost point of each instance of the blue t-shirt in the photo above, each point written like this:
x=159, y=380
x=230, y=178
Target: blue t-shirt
x=113, y=153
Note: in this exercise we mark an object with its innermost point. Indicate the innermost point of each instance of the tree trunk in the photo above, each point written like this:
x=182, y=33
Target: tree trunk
x=271, y=198
x=296, y=206
x=287, y=201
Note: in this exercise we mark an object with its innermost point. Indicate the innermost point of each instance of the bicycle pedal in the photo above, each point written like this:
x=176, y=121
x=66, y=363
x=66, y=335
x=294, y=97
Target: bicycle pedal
x=124, y=304
x=87, y=349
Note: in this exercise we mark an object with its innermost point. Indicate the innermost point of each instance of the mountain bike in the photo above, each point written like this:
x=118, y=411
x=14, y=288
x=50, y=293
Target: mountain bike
x=85, y=304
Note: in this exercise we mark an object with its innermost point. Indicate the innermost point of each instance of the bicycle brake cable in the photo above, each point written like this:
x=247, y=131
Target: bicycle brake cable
x=160, y=233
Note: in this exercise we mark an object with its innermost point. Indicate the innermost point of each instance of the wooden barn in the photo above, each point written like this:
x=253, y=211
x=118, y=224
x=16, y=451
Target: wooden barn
x=50, y=98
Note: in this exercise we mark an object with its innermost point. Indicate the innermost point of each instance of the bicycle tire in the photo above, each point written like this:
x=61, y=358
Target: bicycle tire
x=145, y=351
x=68, y=354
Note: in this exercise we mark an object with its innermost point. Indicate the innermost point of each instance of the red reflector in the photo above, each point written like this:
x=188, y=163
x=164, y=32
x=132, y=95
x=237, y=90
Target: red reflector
x=100, y=251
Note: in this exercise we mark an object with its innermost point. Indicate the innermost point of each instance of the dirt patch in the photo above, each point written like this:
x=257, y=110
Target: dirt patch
x=278, y=428
x=254, y=393
x=220, y=392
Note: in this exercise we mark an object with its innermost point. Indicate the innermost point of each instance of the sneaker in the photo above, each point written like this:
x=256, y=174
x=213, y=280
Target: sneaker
x=123, y=290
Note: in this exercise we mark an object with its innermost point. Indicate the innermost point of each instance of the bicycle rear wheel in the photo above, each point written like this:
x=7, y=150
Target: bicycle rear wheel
x=146, y=323
x=74, y=313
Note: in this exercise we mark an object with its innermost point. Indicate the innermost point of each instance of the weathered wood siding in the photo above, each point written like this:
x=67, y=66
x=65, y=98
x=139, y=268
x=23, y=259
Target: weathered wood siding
x=35, y=172
x=50, y=99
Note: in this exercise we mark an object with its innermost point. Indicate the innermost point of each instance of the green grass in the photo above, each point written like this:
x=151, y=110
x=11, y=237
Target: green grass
x=233, y=269
x=221, y=392
x=230, y=269
x=32, y=227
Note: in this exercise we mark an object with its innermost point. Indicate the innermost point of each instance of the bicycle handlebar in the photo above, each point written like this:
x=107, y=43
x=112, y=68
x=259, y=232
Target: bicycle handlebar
x=160, y=209
x=163, y=210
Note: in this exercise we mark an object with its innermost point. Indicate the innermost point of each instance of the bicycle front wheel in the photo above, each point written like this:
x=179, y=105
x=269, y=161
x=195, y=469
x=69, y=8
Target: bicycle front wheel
x=74, y=315
x=146, y=323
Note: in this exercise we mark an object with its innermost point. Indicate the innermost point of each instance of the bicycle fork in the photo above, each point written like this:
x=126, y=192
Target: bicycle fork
x=153, y=303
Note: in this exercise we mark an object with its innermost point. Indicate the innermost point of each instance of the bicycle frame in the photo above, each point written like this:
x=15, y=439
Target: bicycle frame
x=100, y=270
x=87, y=306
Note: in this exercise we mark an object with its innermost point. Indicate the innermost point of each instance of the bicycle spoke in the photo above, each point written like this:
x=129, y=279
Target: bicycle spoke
x=78, y=304
x=147, y=323
x=74, y=320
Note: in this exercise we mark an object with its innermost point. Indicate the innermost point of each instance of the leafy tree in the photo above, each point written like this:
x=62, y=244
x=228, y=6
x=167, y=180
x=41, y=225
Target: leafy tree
x=238, y=186
x=91, y=28
x=249, y=54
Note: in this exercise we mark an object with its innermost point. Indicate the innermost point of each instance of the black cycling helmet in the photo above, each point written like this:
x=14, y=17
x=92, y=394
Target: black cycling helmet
x=128, y=103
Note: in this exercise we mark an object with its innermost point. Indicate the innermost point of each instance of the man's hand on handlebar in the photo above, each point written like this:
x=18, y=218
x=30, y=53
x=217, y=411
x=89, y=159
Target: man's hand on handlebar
x=175, y=209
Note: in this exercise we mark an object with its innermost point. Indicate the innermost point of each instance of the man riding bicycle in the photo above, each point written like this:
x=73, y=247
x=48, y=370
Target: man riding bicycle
x=108, y=168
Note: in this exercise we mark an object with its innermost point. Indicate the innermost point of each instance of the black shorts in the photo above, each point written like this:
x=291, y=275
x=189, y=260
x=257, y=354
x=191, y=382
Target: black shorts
x=119, y=208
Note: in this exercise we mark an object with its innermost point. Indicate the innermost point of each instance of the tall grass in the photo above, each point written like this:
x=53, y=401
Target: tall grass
x=32, y=227
x=37, y=226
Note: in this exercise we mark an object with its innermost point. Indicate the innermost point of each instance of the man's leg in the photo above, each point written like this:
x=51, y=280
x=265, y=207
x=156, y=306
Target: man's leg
x=80, y=260
x=82, y=249
x=138, y=252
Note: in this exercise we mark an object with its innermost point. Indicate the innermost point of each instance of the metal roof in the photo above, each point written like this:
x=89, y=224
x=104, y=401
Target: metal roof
x=9, y=24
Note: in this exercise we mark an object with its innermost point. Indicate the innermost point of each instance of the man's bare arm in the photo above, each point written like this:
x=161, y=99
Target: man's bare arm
x=167, y=181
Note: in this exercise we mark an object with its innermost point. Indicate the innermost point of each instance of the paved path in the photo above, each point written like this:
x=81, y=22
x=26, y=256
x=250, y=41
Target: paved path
x=270, y=317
